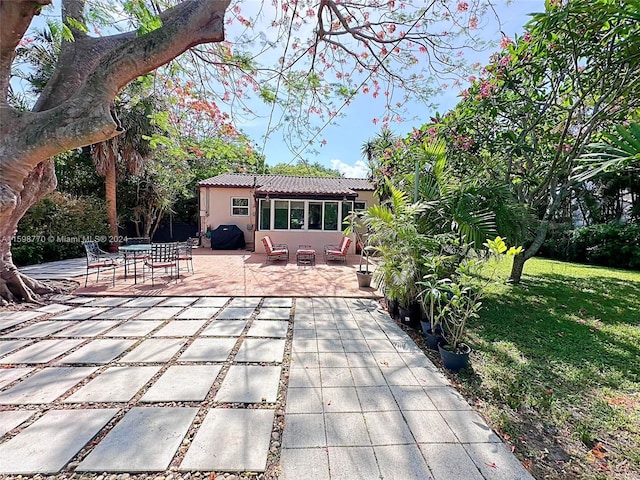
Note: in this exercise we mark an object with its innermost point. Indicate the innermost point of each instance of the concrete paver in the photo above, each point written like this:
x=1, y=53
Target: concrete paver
x=142, y=302
x=274, y=314
x=194, y=313
x=307, y=463
x=159, y=313
x=100, y=351
x=45, y=386
x=178, y=301
x=40, y=329
x=212, y=302
x=10, y=419
x=135, y=328
x=8, y=375
x=353, y=463
x=11, y=345
x=245, y=302
x=208, y=350
x=224, y=328
x=41, y=352
x=79, y=313
x=115, y=384
x=304, y=430
x=249, y=384
x=261, y=350
x=154, y=350
x=401, y=461
x=346, y=430
x=233, y=313
x=183, y=383
x=449, y=461
x=146, y=439
x=87, y=328
x=180, y=328
x=268, y=328
x=231, y=440
x=119, y=313
x=51, y=441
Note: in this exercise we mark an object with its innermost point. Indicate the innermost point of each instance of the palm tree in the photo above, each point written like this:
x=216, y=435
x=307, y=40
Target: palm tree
x=619, y=152
x=126, y=152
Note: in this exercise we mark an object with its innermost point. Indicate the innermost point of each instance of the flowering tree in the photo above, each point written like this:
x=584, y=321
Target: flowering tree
x=543, y=99
x=318, y=55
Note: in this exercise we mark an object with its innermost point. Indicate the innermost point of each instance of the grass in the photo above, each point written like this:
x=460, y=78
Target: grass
x=556, y=369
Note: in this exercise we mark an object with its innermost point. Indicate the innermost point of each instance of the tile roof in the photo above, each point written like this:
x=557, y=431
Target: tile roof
x=289, y=184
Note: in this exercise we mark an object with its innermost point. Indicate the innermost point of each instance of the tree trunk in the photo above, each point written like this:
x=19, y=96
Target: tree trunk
x=14, y=285
x=74, y=108
x=110, y=185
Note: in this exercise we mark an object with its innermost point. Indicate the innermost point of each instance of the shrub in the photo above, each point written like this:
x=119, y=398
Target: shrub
x=54, y=228
x=609, y=245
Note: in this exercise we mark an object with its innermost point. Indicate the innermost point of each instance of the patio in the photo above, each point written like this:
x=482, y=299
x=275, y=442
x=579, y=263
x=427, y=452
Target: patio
x=239, y=273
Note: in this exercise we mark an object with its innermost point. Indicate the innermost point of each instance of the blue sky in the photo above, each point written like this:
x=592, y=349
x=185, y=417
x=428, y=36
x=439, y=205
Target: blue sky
x=344, y=141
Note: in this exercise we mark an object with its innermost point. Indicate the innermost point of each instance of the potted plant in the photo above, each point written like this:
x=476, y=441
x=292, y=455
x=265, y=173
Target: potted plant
x=462, y=305
x=464, y=300
x=431, y=298
x=364, y=276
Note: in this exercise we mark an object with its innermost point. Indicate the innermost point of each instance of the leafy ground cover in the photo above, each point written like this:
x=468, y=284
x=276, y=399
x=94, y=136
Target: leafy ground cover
x=556, y=369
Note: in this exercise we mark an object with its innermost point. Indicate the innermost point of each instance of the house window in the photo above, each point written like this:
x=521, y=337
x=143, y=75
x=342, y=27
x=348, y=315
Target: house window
x=265, y=215
x=359, y=206
x=281, y=218
x=347, y=208
x=296, y=216
x=330, y=216
x=318, y=215
x=239, y=207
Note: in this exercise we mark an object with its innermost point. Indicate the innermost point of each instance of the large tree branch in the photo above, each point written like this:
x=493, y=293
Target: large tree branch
x=85, y=117
x=16, y=16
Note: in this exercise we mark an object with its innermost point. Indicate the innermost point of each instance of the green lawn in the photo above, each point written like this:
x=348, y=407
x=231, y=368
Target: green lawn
x=556, y=369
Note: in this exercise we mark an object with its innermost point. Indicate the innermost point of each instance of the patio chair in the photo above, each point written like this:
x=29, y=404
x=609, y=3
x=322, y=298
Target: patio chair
x=337, y=252
x=185, y=253
x=275, y=251
x=98, y=260
x=163, y=255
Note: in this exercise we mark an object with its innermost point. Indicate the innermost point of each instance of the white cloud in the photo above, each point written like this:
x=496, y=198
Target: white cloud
x=359, y=170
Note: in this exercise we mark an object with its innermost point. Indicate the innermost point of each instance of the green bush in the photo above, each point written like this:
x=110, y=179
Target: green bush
x=54, y=228
x=609, y=245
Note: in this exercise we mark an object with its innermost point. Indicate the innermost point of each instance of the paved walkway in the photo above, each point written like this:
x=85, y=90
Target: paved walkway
x=184, y=384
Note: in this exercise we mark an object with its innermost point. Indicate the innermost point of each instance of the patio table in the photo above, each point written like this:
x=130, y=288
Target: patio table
x=134, y=252
x=305, y=255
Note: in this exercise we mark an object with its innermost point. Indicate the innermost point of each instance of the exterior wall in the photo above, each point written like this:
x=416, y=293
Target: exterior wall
x=215, y=210
x=317, y=239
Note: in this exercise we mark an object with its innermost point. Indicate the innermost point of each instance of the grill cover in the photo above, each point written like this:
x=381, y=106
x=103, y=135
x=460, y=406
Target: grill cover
x=227, y=237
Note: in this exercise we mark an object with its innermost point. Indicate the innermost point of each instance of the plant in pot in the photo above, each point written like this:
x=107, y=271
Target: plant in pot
x=462, y=305
x=464, y=301
x=364, y=276
x=432, y=297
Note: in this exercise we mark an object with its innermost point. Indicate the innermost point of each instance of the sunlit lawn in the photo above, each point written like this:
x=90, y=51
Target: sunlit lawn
x=556, y=369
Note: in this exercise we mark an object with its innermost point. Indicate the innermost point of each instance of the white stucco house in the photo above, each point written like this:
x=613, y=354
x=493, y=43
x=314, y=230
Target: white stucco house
x=291, y=210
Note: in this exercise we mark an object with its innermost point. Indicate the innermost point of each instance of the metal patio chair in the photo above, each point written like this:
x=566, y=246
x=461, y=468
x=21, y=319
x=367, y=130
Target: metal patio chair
x=98, y=260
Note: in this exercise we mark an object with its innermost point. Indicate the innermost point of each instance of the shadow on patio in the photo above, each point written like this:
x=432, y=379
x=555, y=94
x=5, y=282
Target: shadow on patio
x=241, y=273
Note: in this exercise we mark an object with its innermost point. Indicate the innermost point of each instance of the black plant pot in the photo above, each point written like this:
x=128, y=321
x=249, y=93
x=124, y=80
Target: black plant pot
x=455, y=361
x=426, y=325
x=393, y=307
x=411, y=315
x=434, y=340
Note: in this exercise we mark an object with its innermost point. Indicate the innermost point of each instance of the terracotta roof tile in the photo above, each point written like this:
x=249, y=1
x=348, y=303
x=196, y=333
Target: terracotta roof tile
x=288, y=184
